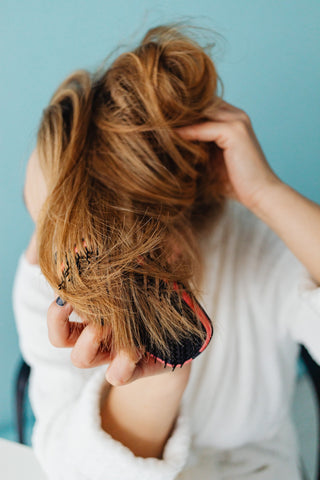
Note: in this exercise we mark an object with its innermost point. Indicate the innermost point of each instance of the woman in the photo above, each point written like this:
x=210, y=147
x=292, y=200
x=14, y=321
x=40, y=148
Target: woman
x=143, y=166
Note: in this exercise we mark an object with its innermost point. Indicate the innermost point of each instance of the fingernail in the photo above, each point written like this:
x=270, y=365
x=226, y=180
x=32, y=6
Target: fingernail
x=117, y=380
x=114, y=380
x=60, y=302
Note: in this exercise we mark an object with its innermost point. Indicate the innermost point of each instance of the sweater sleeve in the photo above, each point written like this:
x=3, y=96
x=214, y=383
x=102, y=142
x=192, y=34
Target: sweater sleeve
x=287, y=291
x=67, y=438
x=302, y=310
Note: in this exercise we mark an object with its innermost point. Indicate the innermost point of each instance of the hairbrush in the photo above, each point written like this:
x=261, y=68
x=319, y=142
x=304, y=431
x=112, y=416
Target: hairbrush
x=188, y=348
x=179, y=352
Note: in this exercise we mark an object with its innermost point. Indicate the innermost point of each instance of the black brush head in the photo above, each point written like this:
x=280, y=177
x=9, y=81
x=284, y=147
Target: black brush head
x=189, y=347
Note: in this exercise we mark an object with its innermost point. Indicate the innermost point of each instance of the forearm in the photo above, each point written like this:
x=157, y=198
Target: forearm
x=296, y=220
x=142, y=414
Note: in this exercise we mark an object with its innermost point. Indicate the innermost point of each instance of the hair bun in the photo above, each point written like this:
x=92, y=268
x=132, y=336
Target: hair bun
x=168, y=80
x=183, y=75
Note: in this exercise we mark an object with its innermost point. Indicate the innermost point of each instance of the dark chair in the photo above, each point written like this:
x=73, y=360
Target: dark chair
x=313, y=370
x=21, y=392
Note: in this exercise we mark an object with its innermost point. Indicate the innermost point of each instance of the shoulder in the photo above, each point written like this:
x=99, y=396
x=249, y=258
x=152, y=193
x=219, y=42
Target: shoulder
x=244, y=252
x=239, y=226
x=246, y=241
x=260, y=257
x=250, y=230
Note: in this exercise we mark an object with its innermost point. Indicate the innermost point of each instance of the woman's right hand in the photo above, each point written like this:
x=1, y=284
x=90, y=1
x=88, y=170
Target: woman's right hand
x=141, y=415
x=86, y=351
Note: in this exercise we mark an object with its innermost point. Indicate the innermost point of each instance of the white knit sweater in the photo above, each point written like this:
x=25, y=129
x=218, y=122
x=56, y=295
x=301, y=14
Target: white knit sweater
x=235, y=414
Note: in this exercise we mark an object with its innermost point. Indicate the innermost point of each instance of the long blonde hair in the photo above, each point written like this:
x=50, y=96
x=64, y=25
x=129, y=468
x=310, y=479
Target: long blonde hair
x=127, y=196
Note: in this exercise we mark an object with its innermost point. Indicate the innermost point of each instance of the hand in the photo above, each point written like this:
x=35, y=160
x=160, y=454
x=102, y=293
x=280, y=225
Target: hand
x=247, y=170
x=86, y=352
x=140, y=415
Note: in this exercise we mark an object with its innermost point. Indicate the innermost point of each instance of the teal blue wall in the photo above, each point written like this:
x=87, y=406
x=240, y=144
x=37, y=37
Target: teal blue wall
x=268, y=60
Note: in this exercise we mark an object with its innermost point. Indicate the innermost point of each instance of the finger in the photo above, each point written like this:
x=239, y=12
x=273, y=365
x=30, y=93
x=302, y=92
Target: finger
x=87, y=352
x=150, y=366
x=61, y=332
x=146, y=367
x=217, y=132
x=121, y=368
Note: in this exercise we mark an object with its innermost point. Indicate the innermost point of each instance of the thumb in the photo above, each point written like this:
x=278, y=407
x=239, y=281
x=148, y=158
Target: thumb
x=121, y=369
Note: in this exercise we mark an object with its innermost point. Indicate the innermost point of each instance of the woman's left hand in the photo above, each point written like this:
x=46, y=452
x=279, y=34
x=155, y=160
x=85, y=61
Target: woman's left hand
x=247, y=170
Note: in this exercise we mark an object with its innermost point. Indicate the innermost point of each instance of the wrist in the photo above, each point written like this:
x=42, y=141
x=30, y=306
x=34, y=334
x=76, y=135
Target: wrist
x=265, y=199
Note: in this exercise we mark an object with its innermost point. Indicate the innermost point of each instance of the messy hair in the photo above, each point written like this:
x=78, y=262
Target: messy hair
x=127, y=196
